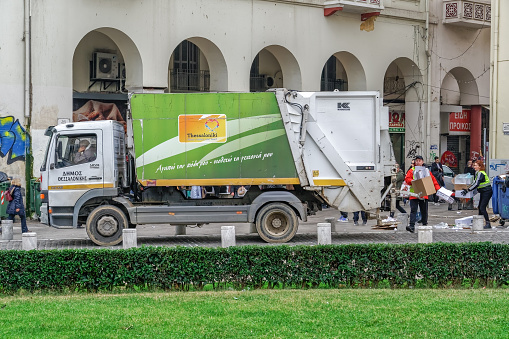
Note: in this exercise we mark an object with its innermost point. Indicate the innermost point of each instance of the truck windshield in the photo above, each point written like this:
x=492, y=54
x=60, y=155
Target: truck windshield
x=43, y=166
x=75, y=149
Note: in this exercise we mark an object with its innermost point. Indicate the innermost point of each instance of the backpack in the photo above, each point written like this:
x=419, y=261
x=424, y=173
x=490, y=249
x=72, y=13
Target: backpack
x=8, y=195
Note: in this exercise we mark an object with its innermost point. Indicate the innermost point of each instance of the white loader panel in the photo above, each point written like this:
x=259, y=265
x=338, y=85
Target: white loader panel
x=337, y=137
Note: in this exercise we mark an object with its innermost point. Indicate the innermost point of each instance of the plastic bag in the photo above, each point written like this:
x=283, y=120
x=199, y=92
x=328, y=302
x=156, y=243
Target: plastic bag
x=404, y=190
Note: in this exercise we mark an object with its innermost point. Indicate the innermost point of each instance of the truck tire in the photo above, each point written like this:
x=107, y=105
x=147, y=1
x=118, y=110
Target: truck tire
x=276, y=223
x=105, y=225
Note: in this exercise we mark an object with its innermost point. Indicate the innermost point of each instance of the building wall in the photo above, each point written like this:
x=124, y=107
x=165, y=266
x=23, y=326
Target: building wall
x=230, y=33
x=500, y=81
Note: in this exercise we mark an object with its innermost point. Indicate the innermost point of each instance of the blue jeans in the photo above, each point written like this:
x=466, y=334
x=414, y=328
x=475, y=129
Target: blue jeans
x=363, y=215
x=24, y=227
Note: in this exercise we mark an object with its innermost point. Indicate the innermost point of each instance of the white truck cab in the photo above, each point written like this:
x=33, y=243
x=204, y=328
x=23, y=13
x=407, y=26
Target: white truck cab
x=71, y=176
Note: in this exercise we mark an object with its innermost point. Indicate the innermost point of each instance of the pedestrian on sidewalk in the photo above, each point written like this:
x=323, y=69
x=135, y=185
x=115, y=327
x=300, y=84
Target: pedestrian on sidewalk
x=344, y=217
x=356, y=218
x=400, y=178
x=16, y=206
x=438, y=171
x=483, y=185
x=421, y=203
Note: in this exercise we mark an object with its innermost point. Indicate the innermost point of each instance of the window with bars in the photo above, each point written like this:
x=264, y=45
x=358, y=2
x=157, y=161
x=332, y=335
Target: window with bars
x=186, y=76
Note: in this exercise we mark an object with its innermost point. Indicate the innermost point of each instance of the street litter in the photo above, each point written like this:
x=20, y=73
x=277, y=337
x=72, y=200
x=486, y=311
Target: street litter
x=465, y=222
x=441, y=225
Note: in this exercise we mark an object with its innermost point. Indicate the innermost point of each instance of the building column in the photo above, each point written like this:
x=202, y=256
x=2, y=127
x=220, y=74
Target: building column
x=475, y=131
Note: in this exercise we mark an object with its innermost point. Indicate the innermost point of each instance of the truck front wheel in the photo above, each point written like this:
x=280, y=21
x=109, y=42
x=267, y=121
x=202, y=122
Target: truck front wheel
x=105, y=225
x=276, y=223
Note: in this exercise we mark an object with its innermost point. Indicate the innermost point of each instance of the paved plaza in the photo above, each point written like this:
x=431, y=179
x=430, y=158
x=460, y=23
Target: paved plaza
x=210, y=235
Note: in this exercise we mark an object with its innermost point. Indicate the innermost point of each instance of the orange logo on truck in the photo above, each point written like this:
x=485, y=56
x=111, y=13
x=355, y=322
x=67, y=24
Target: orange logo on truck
x=202, y=128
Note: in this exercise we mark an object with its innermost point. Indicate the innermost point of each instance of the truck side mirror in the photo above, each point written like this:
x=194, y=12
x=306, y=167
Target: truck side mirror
x=49, y=131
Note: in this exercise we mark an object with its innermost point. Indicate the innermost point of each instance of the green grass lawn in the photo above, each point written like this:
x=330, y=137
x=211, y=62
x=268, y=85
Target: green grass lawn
x=330, y=313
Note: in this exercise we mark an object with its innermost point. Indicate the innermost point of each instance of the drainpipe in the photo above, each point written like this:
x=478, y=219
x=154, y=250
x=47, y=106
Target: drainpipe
x=28, y=61
x=428, y=109
x=494, y=80
x=28, y=99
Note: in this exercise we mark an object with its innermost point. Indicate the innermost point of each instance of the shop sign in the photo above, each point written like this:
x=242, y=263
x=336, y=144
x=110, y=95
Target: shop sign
x=396, y=122
x=459, y=122
x=449, y=159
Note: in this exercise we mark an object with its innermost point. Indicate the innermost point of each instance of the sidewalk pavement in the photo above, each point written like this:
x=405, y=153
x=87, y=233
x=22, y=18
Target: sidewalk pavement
x=210, y=235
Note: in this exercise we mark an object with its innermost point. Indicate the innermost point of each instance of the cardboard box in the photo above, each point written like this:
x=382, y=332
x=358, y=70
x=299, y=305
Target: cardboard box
x=459, y=194
x=459, y=187
x=424, y=186
x=444, y=194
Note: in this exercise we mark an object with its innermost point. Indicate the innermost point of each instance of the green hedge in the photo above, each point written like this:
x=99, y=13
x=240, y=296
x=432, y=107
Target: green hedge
x=181, y=268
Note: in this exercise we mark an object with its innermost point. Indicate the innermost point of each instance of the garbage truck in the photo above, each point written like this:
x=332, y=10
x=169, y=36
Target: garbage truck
x=186, y=159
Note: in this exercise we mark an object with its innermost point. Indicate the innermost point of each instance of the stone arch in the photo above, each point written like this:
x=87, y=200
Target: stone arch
x=215, y=63
x=283, y=69
x=352, y=69
x=407, y=69
x=404, y=94
x=459, y=87
x=109, y=39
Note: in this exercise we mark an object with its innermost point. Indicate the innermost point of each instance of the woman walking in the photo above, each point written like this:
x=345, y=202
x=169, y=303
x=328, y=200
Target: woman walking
x=16, y=206
x=483, y=185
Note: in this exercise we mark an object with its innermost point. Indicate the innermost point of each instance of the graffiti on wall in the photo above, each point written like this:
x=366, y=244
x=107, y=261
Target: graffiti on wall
x=433, y=152
x=413, y=147
x=14, y=140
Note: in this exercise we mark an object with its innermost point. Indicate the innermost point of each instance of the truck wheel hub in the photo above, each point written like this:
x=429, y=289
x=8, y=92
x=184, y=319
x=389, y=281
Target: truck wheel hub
x=276, y=223
x=107, y=226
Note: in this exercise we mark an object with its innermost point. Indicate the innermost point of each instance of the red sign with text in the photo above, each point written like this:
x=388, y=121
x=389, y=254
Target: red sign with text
x=459, y=122
x=396, y=122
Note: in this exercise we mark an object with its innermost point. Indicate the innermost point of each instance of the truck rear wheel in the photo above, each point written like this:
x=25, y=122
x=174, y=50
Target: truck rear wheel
x=276, y=223
x=105, y=225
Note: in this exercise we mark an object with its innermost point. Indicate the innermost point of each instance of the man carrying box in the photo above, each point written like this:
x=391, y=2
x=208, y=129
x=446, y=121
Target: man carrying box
x=422, y=202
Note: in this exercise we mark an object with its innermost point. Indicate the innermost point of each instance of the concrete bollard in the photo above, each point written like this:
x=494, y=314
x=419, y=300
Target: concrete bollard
x=129, y=238
x=29, y=241
x=403, y=221
x=332, y=222
x=180, y=230
x=425, y=234
x=227, y=236
x=252, y=228
x=324, y=233
x=7, y=231
x=477, y=223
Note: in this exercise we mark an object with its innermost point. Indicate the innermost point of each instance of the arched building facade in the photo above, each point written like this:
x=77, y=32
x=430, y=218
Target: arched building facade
x=76, y=55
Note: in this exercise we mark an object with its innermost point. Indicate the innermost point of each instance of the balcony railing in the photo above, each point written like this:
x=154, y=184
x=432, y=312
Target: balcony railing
x=189, y=81
x=394, y=85
x=332, y=84
x=473, y=14
x=356, y=6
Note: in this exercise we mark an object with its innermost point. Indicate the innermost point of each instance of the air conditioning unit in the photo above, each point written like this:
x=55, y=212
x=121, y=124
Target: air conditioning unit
x=268, y=81
x=104, y=66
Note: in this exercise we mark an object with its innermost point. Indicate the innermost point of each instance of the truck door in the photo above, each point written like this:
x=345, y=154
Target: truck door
x=76, y=167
